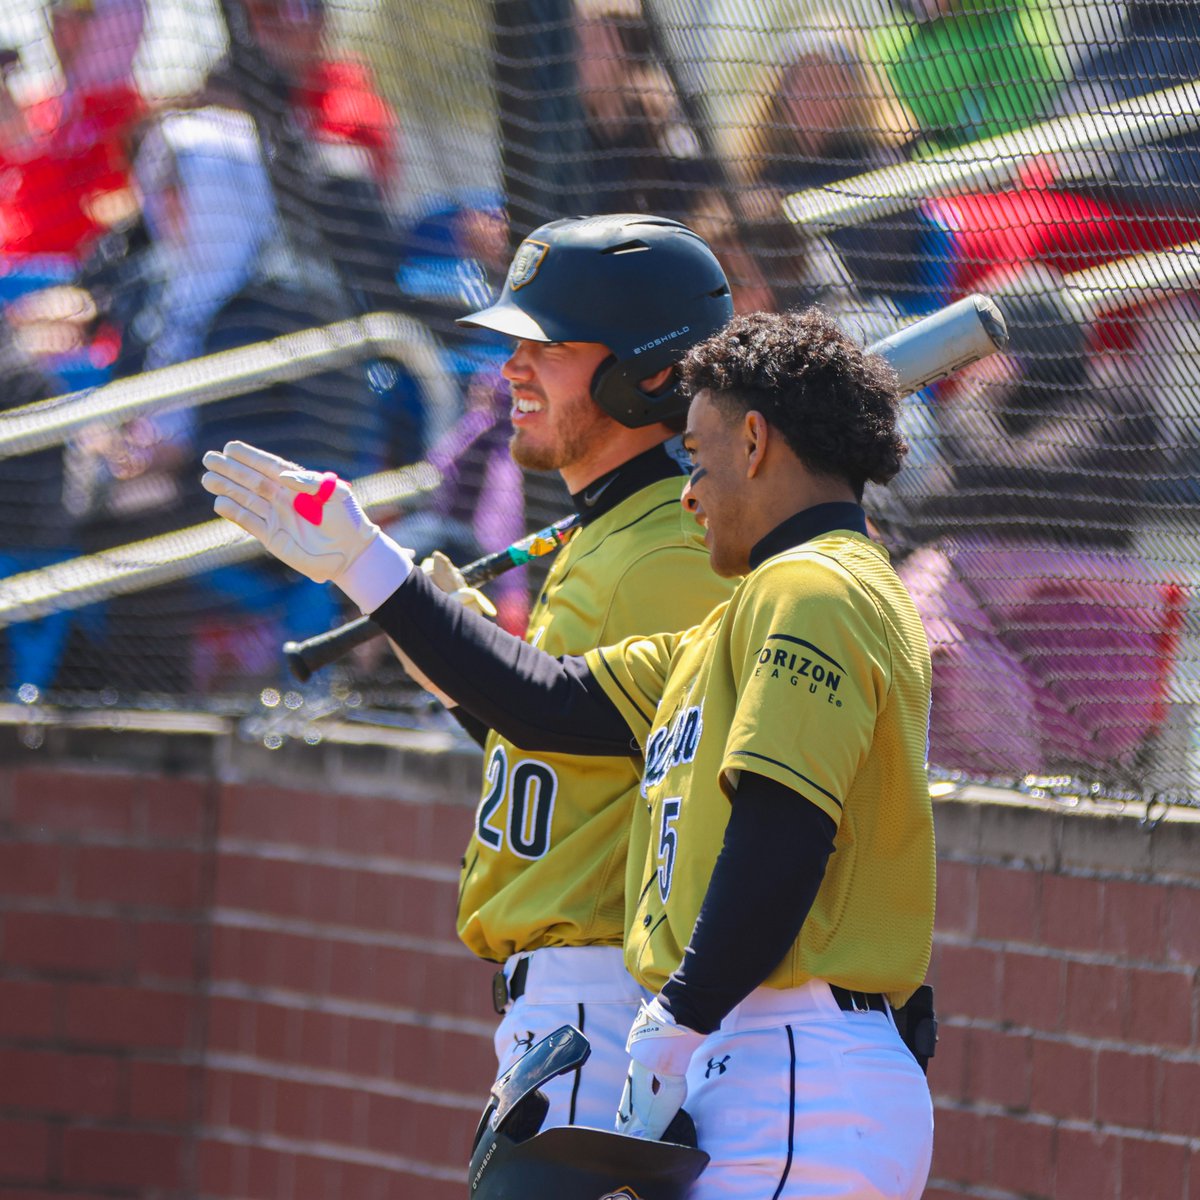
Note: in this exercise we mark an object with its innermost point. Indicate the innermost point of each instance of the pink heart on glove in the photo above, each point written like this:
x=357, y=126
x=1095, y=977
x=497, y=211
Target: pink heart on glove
x=310, y=507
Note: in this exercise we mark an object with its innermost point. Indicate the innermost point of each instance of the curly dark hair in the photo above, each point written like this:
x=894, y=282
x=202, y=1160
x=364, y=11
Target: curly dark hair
x=835, y=405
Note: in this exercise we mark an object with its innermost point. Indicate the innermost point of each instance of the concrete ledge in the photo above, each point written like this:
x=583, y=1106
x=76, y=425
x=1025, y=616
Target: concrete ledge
x=1043, y=828
x=1068, y=833
x=284, y=749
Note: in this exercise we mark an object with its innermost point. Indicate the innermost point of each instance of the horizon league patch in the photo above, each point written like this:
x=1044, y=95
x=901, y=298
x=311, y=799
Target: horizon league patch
x=802, y=665
x=526, y=263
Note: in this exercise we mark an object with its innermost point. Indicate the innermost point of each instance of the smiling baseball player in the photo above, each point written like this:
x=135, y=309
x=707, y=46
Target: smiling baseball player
x=600, y=309
x=781, y=884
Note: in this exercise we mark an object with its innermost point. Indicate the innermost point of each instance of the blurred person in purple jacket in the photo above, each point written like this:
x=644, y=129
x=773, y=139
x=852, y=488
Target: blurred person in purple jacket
x=1052, y=638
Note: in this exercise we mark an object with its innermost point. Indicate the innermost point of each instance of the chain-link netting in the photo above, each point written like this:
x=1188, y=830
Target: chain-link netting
x=192, y=178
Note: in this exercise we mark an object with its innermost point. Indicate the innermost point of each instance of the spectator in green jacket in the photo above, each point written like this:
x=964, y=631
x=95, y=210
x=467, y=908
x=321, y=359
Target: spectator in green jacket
x=970, y=69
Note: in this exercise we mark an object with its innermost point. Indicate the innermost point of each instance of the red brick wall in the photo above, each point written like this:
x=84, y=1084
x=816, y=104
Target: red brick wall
x=1065, y=966
x=254, y=990
x=348, y=1047
x=104, y=884
x=232, y=990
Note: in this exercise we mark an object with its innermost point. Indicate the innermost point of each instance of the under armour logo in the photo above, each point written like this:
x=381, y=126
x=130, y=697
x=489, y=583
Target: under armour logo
x=526, y=1042
x=718, y=1065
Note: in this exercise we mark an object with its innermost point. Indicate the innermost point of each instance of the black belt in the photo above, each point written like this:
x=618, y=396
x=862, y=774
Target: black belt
x=849, y=1001
x=505, y=989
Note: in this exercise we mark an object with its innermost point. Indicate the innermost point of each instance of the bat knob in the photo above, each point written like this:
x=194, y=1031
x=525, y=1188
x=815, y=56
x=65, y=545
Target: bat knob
x=293, y=653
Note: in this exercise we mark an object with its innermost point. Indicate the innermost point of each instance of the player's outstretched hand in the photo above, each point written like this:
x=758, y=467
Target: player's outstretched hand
x=308, y=520
x=451, y=580
x=656, y=1086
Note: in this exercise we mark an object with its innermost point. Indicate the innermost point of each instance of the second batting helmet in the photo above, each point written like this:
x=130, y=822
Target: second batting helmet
x=511, y=1160
x=646, y=287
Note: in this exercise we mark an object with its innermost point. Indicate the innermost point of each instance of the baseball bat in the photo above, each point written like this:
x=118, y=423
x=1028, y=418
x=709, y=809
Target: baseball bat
x=929, y=349
x=303, y=658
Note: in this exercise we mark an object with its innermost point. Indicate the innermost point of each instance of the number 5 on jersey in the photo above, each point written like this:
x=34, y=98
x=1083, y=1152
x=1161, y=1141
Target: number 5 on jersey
x=668, y=843
x=518, y=806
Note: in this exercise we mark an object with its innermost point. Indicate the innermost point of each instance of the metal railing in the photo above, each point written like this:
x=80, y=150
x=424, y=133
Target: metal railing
x=171, y=556
x=199, y=381
x=994, y=161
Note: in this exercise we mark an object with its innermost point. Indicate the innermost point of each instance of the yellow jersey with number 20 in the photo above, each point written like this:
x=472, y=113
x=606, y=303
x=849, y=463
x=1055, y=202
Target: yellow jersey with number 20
x=546, y=862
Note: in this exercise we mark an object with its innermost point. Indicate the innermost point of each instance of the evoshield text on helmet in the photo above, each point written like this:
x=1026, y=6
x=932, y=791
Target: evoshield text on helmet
x=511, y=1160
x=646, y=287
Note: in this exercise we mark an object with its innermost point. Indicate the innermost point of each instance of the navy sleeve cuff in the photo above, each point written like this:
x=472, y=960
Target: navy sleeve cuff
x=762, y=887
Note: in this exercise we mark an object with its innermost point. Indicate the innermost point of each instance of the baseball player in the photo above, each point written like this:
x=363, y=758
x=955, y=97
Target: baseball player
x=781, y=882
x=601, y=309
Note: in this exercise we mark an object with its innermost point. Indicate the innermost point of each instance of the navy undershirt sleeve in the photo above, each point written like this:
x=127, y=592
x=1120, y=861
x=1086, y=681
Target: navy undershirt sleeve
x=474, y=728
x=536, y=701
x=762, y=887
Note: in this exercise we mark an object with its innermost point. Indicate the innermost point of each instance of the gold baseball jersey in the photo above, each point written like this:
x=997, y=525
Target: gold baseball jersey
x=546, y=861
x=817, y=675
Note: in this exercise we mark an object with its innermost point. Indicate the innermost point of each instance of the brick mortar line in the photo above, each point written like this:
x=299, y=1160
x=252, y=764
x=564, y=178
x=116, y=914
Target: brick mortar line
x=230, y=918
x=67, y=1122
x=1079, y=1041
x=140, y=983
x=985, y=1108
x=106, y=909
x=270, y=851
x=972, y=1189
x=125, y=1055
x=331, y=1151
x=29, y=835
x=1041, y=950
x=342, y=859
x=1069, y=872
x=240, y=918
x=354, y=1008
x=371, y=1085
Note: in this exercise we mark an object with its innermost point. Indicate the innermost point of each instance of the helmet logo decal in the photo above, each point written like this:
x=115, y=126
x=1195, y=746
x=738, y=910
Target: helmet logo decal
x=625, y=1193
x=666, y=337
x=526, y=263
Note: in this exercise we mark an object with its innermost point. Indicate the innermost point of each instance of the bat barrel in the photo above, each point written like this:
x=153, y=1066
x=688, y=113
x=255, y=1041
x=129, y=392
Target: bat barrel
x=943, y=342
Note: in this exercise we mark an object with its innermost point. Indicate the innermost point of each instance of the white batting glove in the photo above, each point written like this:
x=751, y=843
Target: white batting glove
x=451, y=580
x=308, y=520
x=656, y=1086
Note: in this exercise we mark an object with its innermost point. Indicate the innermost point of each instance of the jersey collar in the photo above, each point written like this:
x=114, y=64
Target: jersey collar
x=807, y=524
x=604, y=494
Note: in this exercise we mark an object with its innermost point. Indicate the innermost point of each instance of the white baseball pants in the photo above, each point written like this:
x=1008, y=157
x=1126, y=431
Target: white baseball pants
x=795, y=1099
x=584, y=986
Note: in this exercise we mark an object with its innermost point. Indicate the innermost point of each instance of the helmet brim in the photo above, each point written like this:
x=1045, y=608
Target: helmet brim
x=507, y=318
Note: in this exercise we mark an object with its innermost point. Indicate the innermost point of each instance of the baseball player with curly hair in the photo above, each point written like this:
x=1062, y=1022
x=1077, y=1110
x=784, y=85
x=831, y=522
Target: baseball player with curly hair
x=601, y=309
x=781, y=883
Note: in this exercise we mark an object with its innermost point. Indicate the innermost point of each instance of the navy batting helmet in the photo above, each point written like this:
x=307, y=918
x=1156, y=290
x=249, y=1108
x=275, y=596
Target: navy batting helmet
x=646, y=287
x=511, y=1160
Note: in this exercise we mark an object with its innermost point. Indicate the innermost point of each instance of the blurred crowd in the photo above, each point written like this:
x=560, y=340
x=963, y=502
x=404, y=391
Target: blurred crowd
x=136, y=235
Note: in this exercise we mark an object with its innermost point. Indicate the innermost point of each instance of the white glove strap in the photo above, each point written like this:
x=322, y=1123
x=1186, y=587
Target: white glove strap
x=655, y=1041
x=376, y=573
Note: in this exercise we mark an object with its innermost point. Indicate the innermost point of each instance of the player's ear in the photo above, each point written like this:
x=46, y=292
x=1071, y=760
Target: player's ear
x=654, y=384
x=755, y=433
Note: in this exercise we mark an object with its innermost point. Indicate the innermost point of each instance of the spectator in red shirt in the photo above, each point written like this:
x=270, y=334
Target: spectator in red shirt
x=330, y=138
x=67, y=181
